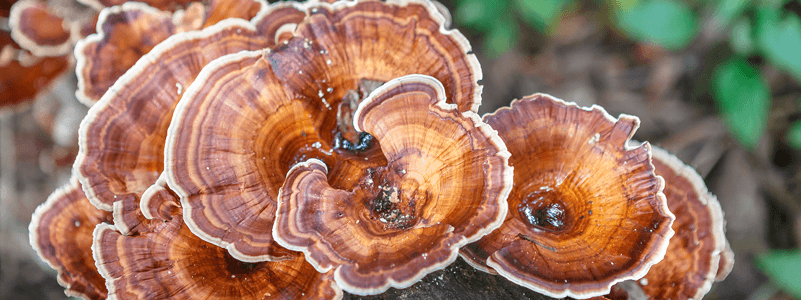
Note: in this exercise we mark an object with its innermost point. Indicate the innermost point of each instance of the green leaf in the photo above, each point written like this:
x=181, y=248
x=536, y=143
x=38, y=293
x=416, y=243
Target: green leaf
x=668, y=23
x=480, y=14
x=741, y=38
x=501, y=38
x=541, y=14
x=743, y=99
x=782, y=267
x=728, y=10
x=780, y=39
x=794, y=135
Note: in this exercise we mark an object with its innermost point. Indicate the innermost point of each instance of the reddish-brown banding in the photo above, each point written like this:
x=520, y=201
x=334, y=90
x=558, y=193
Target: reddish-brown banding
x=122, y=138
x=374, y=40
x=319, y=67
x=127, y=32
x=694, y=254
x=164, y=260
x=23, y=75
x=586, y=211
x=38, y=30
x=61, y=233
x=444, y=185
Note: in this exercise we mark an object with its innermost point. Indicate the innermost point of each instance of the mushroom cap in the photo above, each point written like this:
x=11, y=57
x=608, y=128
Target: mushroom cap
x=164, y=260
x=38, y=30
x=445, y=185
x=374, y=40
x=586, y=211
x=694, y=254
x=127, y=32
x=317, y=68
x=122, y=138
x=23, y=75
x=61, y=233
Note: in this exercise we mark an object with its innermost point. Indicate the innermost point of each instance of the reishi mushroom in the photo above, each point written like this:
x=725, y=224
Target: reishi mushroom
x=444, y=185
x=698, y=249
x=61, y=234
x=586, y=210
x=318, y=142
x=289, y=103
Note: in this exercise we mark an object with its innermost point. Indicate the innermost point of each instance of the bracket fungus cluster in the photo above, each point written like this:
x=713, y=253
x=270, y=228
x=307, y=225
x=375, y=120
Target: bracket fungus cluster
x=240, y=149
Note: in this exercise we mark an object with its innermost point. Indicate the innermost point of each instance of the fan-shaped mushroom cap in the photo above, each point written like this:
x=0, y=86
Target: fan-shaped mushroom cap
x=694, y=254
x=318, y=68
x=61, y=233
x=125, y=33
x=164, y=260
x=445, y=185
x=586, y=211
x=375, y=40
x=38, y=30
x=23, y=76
x=122, y=138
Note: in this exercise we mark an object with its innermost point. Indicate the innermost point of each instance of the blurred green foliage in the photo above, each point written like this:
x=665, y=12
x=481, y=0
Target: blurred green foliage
x=782, y=266
x=746, y=99
x=755, y=28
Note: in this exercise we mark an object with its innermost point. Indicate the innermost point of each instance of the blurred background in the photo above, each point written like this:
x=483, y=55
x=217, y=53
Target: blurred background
x=715, y=82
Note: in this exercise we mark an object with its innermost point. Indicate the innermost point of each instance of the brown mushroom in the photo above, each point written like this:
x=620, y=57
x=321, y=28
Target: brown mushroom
x=445, y=185
x=586, y=210
x=61, y=233
x=122, y=137
x=129, y=31
x=164, y=260
x=23, y=75
x=165, y=5
x=294, y=102
x=38, y=30
x=694, y=254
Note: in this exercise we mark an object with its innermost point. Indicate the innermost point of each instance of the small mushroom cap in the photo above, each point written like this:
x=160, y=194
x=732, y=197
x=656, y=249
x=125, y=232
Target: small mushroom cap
x=61, y=233
x=445, y=185
x=694, y=254
x=586, y=211
x=127, y=32
x=374, y=40
x=23, y=75
x=164, y=260
x=38, y=30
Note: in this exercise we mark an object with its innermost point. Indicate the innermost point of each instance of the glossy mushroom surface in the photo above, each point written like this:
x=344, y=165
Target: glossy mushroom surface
x=293, y=102
x=127, y=32
x=586, y=211
x=444, y=185
x=694, y=254
x=61, y=233
x=164, y=260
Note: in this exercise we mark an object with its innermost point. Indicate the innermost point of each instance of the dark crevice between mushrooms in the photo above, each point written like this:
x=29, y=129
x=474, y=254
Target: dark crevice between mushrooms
x=345, y=136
